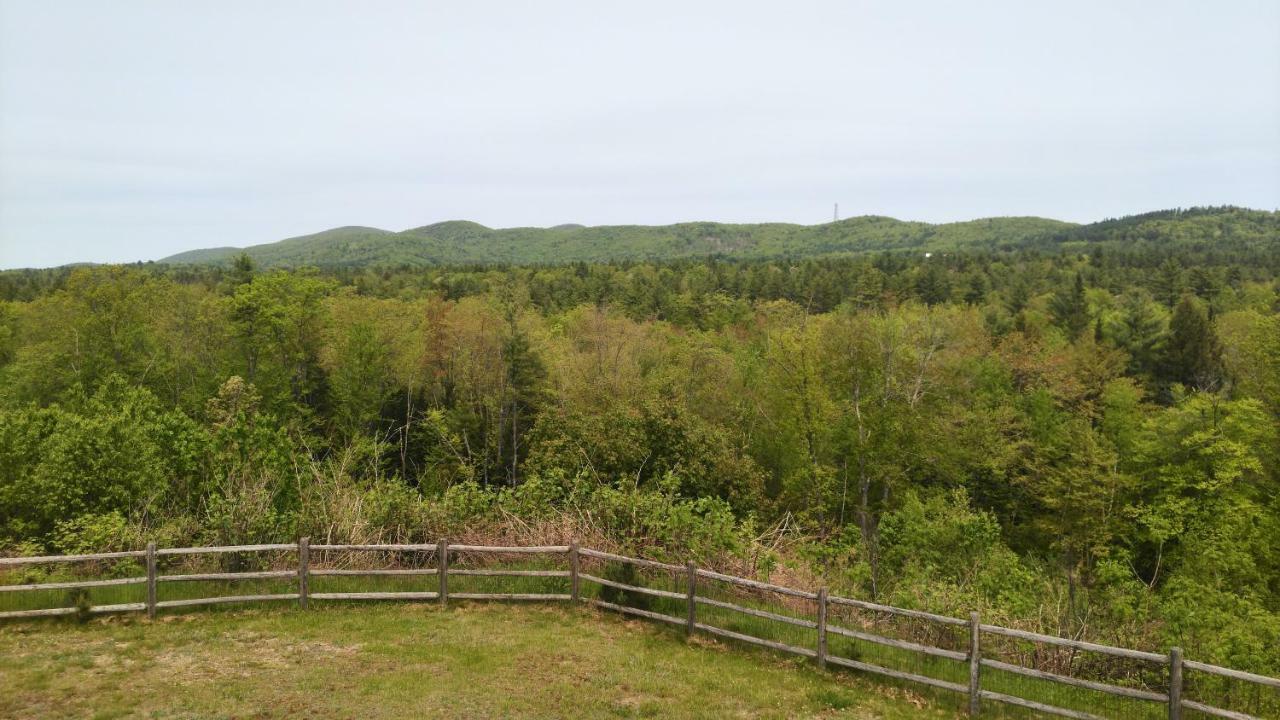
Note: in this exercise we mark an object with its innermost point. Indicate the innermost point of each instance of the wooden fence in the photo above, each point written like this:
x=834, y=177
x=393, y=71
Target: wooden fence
x=1171, y=666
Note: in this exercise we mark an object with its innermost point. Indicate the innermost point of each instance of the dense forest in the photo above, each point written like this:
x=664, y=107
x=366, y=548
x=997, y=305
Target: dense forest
x=1077, y=431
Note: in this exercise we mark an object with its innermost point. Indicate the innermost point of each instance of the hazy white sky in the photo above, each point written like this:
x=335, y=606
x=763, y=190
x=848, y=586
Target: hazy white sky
x=132, y=130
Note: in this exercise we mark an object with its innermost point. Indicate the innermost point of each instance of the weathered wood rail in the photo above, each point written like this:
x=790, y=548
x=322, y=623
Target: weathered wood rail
x=1172, y=664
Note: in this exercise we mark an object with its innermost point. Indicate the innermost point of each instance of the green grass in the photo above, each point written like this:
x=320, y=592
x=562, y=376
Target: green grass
x=411, y=660
x=953, y=638
x=833, y=698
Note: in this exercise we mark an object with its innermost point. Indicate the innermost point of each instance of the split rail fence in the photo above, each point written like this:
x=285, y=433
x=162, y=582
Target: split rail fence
x=691, y=592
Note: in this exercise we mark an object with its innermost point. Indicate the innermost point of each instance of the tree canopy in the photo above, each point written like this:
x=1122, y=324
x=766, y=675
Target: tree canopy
x=1080, y=435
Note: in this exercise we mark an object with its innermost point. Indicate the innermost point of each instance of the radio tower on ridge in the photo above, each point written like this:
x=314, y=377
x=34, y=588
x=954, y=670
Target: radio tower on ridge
x=835, y=215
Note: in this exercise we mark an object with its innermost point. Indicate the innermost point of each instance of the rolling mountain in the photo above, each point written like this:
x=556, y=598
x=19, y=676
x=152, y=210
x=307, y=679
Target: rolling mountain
x=461, y=242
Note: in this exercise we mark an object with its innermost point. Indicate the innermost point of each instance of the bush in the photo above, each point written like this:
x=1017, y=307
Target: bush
x=624, y=573
x=96, y=533
x=116, y=451
x=79, y=599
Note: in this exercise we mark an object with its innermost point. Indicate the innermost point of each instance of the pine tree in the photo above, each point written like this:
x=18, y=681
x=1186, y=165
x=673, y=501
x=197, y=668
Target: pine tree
x=976, y=288
x=525, y=374
x=1142, y=335
x=1204, y=283
x=932, y=285
x=1169, y=282
x=240, y=273
x=1070, y=309
x=1193, y=355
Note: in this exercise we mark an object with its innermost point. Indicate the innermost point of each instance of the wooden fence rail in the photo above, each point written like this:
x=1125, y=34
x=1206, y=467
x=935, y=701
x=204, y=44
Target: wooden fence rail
x=690, y=599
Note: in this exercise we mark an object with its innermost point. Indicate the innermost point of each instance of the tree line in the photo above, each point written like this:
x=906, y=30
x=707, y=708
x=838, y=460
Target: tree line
x=1083, y=440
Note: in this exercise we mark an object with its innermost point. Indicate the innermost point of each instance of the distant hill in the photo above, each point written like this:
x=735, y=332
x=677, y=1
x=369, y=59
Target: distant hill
x=358, y=245
x=460, y=242
x=1197, y=229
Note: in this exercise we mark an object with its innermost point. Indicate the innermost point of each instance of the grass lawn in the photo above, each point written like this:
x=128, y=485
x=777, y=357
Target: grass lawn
x=409, y=661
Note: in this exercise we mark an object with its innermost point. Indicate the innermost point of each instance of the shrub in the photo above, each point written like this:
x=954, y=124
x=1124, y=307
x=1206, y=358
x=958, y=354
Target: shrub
x=78, y=598
x=624, y=573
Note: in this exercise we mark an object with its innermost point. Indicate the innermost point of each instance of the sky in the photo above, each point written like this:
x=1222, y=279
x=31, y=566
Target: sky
x=133, y=130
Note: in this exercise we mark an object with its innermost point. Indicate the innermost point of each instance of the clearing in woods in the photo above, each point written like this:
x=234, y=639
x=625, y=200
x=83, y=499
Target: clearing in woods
x=399, y=661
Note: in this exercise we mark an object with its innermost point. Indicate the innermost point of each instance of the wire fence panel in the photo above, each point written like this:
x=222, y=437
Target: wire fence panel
x=476, y=571
x=1078, y=677
x=657, y=591
x=757, y=610
x=71, y=584
x=1213, y=691
x=372, y=572
x=917, y=647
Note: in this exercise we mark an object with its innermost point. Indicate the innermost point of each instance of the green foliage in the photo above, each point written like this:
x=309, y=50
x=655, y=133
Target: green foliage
x=625, y=574
x=653, y=443
x=96, y=326
x=1206, y=478
x=944, y=548
x=276, y=322
x=253, y=482
x=1070, y=309
x=1071, y=428
x=1193, y=354
x=95, y=533
x=115, y=450
x=1232, y=627
x=460, y=242
x=79, y=599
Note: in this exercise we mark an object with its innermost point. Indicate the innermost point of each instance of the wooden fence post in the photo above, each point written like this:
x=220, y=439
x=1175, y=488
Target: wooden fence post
x=975, y=664
x=691, y=618
x=151, y=580
x=442, y=563
x=1175, y=683
x=304, y=570
x=822, y=627
x=573, y=570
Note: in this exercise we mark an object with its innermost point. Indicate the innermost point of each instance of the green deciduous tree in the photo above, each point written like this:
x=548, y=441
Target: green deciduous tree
x=277, y=322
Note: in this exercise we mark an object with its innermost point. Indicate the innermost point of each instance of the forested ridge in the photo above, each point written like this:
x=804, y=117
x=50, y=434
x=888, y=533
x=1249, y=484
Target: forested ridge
x=461, y=242
x=1076, y=432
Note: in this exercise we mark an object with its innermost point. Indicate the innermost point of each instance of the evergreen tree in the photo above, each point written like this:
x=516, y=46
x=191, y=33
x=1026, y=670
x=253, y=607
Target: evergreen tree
x=1070, y=309
x=1204, y=283
x=1193, y=355
x=976, y=288
x=241, y=272
x=932, y=285
x=1168, y=282
x=1141, y=334
x=1018, y=296
x=524, y=375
